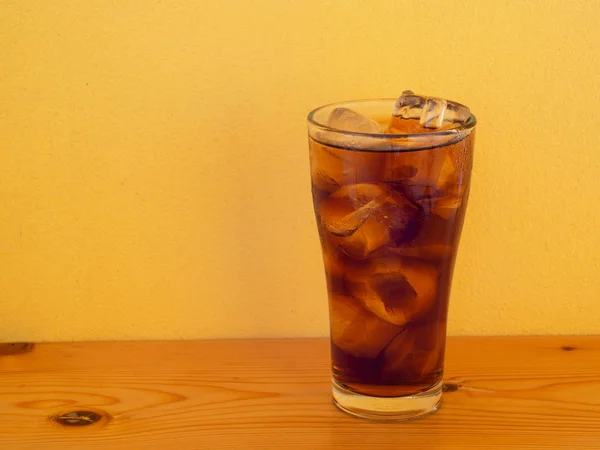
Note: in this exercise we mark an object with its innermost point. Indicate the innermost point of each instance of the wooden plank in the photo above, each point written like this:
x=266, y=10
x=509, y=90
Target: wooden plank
x=504, y=392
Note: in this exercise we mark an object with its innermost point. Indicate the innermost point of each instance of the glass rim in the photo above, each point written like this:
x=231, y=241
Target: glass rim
x=467, y=126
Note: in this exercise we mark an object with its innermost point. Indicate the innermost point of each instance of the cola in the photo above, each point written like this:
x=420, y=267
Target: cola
x=390, y=196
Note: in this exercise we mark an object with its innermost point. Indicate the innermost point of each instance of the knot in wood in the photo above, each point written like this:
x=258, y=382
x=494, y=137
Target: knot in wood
x=15, y=348
x=79, y=418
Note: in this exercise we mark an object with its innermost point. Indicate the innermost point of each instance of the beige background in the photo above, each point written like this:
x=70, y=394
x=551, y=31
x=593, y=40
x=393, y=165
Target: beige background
x=154, y=172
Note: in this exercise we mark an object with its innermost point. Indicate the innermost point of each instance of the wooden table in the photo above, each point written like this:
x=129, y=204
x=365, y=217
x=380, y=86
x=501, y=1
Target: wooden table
x=501, y=393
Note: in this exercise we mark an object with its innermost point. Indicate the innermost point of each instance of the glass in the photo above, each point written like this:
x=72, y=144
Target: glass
x=390, y=195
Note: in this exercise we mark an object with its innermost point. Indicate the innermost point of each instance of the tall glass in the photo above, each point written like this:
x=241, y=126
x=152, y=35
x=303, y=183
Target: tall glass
x=390, y=194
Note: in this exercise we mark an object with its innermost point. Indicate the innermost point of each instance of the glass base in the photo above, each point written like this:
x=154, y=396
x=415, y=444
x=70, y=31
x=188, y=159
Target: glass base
x=387, y=408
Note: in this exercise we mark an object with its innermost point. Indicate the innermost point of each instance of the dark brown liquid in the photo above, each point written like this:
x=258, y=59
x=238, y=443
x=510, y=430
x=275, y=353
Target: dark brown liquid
x=389, y=224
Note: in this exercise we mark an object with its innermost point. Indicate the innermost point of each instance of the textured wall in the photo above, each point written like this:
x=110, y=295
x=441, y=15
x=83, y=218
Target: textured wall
x=154, y=171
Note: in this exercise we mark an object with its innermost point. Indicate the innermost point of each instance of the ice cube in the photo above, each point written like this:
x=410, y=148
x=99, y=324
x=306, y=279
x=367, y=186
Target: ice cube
x=416, y=354
x=433, y=240
x=350, y=206
x=408, y=106
x=447, y=206
x=428, y=179
x=422, y=172
x=443, y=196
x=361, y=193
x=433, y=112
x=348, y=120
x=349, y=223
x=401, y=171
x=395, y=291
x=339, y=266
x=357, y=331
x=346, y=216
x=452, y=180
x=362, y=218
x=332, y=168
x=419, y=114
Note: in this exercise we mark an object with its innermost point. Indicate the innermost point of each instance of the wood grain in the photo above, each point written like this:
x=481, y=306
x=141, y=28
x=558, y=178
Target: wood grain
x=503, y=393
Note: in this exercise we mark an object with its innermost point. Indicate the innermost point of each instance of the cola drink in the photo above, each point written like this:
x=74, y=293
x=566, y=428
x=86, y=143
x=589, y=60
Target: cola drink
x=390, y=194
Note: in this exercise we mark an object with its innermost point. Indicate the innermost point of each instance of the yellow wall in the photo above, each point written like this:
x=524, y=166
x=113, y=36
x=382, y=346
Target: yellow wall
x=154, y=171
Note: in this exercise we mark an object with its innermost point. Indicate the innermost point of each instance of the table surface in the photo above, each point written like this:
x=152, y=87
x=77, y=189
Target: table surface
x=501, y=393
